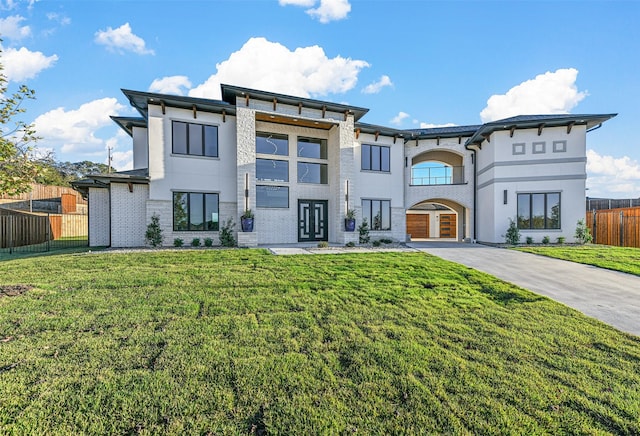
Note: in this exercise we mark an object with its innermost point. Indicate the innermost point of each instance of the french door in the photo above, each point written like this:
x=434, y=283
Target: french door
x=312, y=220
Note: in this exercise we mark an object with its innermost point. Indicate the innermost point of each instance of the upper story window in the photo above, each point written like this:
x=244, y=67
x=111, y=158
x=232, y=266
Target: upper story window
x=194, y=139
x=309, y=172
x=312, y=148
x=272, y=170
x=376, y=158
x=272, y=143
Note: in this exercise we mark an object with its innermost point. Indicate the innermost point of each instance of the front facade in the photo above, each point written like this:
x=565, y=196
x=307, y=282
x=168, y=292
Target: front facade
x=300, y=164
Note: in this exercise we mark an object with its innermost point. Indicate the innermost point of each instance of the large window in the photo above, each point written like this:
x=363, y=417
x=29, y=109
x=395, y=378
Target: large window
x=539, y=210
x=376, y=158
x=195, y=211
x=312, y=148
x=272, y=196
x=312, y=173
x=272, y=143
x=377, y=213
x=194, y=139
x=272, y=170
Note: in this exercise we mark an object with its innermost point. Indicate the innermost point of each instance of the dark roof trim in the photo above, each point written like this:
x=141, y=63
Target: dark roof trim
x=444, y=132
x=128, y=123
x=381, y=130
x=536, y=121
x=142, y=100
x=230, y=93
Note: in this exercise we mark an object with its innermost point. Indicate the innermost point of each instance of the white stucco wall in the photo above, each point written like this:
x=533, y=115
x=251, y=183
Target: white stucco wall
x=140, y=148
x=128, y=214
x=99, y=217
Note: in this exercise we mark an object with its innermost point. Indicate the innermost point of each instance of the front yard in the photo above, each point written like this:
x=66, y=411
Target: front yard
x=243, y=342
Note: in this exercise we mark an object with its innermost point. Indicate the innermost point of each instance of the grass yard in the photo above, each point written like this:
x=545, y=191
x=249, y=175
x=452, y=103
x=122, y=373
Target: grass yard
x=243, y=342
x=622, y=259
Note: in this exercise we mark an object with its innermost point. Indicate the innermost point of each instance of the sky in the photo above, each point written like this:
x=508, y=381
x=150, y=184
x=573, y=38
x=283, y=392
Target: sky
x=412, y=63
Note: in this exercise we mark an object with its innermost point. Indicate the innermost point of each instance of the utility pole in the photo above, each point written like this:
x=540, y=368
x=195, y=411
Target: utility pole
x=109, y=158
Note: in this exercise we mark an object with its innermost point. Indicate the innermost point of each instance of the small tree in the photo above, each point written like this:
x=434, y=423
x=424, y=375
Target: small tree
x=153, y=235
x=583, y=233
x=363, y=231
x=513, y=233
x=226, y=233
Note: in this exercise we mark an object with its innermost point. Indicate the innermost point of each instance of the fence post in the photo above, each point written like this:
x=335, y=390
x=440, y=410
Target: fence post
x=48, y=226
x=621, y=229
x=10, y=227
x=593, y=226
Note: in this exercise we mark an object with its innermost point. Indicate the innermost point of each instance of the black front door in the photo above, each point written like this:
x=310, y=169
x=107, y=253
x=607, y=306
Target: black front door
x=312, y=220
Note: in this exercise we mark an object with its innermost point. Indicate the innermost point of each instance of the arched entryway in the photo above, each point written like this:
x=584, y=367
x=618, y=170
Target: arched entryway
x=437, y=219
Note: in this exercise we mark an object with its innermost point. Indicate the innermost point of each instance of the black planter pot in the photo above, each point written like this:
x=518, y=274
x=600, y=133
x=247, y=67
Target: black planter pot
x=349, y=224
x=246, y=224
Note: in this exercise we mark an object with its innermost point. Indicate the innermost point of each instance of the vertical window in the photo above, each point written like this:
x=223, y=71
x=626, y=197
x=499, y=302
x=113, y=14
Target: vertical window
x=377, y=213
x=272, y=143
x=539, y=211
x=312, y=173
x=195, y=211
x=376, y=158
x=312, y=148
x=194, y=139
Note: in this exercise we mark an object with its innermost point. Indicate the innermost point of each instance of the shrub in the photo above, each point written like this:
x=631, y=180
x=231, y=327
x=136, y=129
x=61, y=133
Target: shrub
x=153, y=235
x=529, y=240
x=226, y=233
x=386, y=241
x=195, y=242
x=513, y=233
x=363, y=231
x=208, y=242
x=350, y=244
x=545, y=240
x=178, y=242
x=583, y=233
x=561, y=239
x=323, y=244
x=376, y=243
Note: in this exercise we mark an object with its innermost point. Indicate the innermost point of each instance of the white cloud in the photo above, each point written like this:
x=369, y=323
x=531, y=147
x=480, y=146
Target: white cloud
x=608, y=176
x=376, y=87
x=121, y=40
x=548, y=93
x=170, y=85
x=329, y=10
x=24, y=64
x=10, y=28
x=435, y=126
x=74, y=131
x=63, y=20
x=398, y=119
x=270, y=66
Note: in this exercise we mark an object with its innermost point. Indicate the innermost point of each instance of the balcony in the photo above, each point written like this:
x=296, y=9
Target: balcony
x=429, y=174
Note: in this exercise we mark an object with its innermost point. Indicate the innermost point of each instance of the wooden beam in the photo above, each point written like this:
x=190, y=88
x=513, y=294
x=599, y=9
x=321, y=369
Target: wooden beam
x=459, y=139
x=195, y=115
x=357, y=133
x=163, y=107
x=487, y=137
x=224, y=116
x=377, y=133
x=324, y=110
x=246, y=100
x=394, y=138
x=437, y=140
x=346, y=114
x=570, y=126
x=300, y=108
x=540, y=127
x=275, y=102
x=130, y=185
x=512, y=131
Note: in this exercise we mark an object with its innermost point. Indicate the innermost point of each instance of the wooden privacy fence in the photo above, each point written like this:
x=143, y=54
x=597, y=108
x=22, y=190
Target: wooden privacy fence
x=620, y=227
x=41, y=192
x=18, y=229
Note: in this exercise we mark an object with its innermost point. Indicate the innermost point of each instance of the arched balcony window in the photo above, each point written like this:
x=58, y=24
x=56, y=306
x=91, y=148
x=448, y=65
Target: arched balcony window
x=436, y=173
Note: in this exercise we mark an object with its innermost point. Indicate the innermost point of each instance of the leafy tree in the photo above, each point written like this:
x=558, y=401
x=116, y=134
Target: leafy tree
x=63, y=173
x=18, y=167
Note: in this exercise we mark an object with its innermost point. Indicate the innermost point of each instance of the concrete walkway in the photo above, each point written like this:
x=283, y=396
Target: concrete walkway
x=609, y=296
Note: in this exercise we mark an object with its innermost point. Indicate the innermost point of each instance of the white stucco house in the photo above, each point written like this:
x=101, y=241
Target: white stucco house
x=299, y=164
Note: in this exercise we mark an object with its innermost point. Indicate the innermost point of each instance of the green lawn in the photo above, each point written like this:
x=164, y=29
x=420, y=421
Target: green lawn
x=622, y=259
x=243, y=342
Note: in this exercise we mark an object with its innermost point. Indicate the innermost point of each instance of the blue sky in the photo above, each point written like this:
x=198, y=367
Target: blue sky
x=412, y=63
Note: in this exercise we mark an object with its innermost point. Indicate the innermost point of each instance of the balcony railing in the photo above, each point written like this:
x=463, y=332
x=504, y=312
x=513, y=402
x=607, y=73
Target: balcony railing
x=444, y=175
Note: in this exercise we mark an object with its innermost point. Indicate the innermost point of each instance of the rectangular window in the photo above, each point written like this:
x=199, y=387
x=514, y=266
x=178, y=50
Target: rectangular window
x=377, y=213
x=312, y=148
x=272, y=143
x=312, y=173
x=195, y=211
x=272, y=196
x=539, y=211
x=194, y=139
x=376, y=158
x=272, y=170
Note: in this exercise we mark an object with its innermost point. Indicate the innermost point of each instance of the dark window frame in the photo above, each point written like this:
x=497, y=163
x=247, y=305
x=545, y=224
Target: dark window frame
x=526, y=199
x=279, y=136
x=322, y=143
x=279, y=161
x=321, y=165
x=215, y=225
x=258, y=206
x=368, y=214
x=375, y=161
x=187, y=141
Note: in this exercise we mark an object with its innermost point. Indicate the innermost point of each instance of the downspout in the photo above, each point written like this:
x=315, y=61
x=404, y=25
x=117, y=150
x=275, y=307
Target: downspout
x=474, y=158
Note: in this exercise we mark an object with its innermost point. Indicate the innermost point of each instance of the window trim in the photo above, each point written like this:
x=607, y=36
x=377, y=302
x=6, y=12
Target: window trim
x=187, y=145
x=204, y=211
x=546, y=210
x=371, y=154
x=367, y=214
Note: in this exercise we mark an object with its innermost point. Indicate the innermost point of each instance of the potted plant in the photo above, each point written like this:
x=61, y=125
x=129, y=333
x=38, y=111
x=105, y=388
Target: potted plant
x=246, y=221
x=350, y=220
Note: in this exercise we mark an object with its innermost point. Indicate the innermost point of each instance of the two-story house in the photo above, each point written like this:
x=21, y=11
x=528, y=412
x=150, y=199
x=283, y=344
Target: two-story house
x=300, y=164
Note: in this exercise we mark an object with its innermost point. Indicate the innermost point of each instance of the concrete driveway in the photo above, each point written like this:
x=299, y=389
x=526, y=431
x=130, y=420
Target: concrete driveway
x=609, y=296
